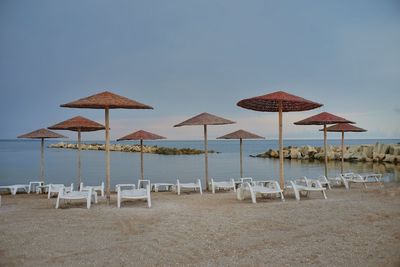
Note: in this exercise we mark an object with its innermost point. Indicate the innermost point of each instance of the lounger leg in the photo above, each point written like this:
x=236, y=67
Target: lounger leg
x=179, y=190
x=88, y=201
x=213, y=188
x=118, y=201
x=58, y=202
x=282, y=197
x=296, y=194
x=323, y=192
x=201, y=191
x=253, y=196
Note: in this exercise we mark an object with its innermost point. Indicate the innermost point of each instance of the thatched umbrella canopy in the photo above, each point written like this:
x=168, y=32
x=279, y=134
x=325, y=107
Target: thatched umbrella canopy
x=278, y=102
x=42, y=134
x=205, y=119
x=106, y=100
x=241, y=134
x=141, y=135
x=323, y=118
x=78, y=124
x=341, y=128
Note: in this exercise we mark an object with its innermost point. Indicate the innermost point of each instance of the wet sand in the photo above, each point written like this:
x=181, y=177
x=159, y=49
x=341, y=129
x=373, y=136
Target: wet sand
x=360, y=227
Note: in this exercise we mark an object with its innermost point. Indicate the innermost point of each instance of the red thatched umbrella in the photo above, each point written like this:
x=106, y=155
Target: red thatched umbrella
x=141, y=135
x=106, y=101
x=323, y=118
x=241, y=134
x=42, y=134
x=78, y=124
x=205, y=119
x=278, y=102
x=343, y=127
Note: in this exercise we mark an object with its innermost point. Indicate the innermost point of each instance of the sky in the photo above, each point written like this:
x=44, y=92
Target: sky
x=189, y=56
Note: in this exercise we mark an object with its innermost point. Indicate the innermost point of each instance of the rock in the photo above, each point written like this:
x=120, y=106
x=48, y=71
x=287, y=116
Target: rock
x=395, y=150
x=274, y=154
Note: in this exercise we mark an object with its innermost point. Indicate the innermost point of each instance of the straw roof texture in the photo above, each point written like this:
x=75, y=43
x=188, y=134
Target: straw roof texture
x=78, y=123
x=141, y=135
x=270, y=103
x=42, y=133
x=323, y=118
x=205, y=119
x=106, y=100
x=344, y=127
x=240, y=134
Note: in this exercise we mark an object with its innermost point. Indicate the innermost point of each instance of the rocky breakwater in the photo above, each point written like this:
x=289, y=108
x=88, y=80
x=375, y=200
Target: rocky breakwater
x=132, y=148
x=388, y=153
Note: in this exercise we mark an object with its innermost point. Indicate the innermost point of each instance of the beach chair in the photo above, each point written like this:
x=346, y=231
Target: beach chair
x=133, y=193
x=268, y=188
x=89, y=195
x=55, y=189
x=306, y=185
x=355, y=178
x=13, y=189
x=96, y=188
x=323, y=180
x=224, y=185
x=193, y=186
x=34, y=186
x=163, y=186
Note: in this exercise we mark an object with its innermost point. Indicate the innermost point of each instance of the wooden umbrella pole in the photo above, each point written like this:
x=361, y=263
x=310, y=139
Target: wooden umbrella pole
x=241, y=157
x=326, y=152
x=42, y=160
x=206, y=155
x=281, y=176
x=79, y=159
x=107, y=118
x=342, y=152
x=141, y=159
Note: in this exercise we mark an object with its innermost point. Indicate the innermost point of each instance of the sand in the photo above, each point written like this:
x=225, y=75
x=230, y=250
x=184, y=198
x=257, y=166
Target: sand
x=360, y=227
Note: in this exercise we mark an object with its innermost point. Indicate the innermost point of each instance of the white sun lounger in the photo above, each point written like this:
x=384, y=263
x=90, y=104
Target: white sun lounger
x=165, y=186
x=323, y=180
x=355, y=178
x=193, y=186
x=224, y=185
x=13, y=189
x=55, y=189
x=133, y=193
x=269, y=187
x=306, y=185
x=95, y=188
x=87, y=195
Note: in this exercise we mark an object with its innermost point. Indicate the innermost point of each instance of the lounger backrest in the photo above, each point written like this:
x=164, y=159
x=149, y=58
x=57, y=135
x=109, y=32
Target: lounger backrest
x=143, y=183
x=246, y=180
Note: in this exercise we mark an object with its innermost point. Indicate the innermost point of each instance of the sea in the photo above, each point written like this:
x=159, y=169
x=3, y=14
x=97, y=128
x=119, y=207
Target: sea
x=20, y=162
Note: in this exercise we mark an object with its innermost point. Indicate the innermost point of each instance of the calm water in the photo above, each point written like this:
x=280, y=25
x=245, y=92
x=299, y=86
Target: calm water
x=19, y=162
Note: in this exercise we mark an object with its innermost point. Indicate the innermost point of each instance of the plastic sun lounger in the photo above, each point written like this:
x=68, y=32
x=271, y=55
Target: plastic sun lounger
x=224, y=185
x=157, y=186
x=193, y=186
x=14, y=188
x=95, y=188
x=323, y=180
x=87, y=195
x=269, y=187
x=355, y=178
x=140, y=193
x=55, y=189
x=306, y=185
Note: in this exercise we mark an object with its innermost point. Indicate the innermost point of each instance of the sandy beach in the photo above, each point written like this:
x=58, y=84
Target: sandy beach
x=351, y=228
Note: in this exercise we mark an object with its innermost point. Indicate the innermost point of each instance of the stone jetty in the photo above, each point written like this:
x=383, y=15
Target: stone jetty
x=131, y=148
x=388, y=153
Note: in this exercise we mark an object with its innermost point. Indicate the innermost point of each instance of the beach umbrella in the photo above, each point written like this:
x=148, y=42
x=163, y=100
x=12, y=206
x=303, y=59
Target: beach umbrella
x=341, y=128
x=141, y=135
x=278, y=102
x=241, y=134
x=106, y=100
x=205, y=119
x=42, y=134
x=324, y=119
x=78, y=124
